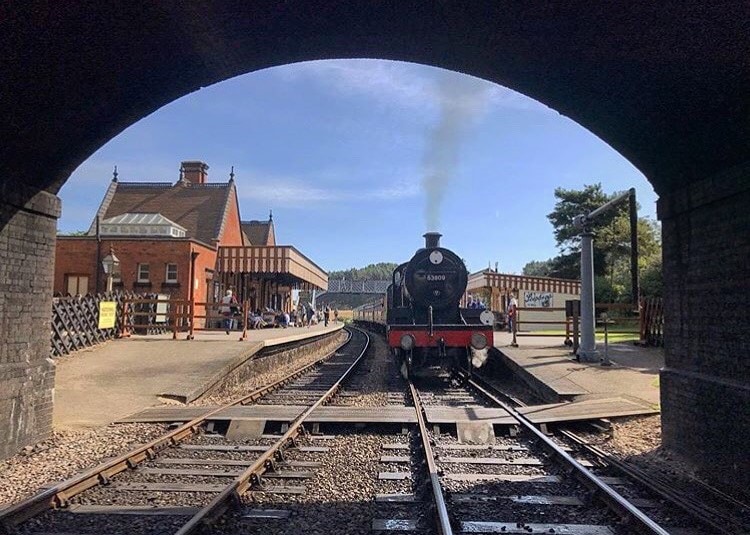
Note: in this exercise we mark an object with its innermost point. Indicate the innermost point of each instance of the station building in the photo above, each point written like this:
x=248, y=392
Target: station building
x=541, y=300
x=185, y=240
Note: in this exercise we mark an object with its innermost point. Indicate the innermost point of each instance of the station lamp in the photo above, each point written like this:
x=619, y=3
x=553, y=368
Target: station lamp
x=111, y=265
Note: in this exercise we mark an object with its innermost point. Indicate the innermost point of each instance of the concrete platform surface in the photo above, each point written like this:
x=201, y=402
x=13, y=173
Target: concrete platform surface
x=97, y=386
x=549, y=368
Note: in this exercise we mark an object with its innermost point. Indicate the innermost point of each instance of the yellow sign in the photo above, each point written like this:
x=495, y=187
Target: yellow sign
x=107, y=311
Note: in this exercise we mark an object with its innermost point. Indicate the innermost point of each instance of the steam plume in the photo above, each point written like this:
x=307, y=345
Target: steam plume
x=460, y=99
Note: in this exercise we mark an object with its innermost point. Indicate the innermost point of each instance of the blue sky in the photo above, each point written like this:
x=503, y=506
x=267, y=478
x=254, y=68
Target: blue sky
x=347, y=154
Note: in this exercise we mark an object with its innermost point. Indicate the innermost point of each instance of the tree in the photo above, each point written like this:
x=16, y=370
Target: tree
x=75, y=233
x=379, y=271
x=611, y=228
x=538, y=268
x=611, y=244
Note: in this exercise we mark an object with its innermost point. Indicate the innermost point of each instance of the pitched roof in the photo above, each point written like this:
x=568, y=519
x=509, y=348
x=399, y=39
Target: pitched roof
x=259, y=232
x=199, y=208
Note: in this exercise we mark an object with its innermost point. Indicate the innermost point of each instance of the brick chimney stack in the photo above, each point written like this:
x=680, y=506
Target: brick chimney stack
x=195, y=172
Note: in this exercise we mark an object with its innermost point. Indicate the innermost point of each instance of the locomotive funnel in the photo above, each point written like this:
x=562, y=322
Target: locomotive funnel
x=432, y=239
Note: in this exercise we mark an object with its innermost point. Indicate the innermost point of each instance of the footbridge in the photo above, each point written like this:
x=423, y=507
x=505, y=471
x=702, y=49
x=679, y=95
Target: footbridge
x=343, y=286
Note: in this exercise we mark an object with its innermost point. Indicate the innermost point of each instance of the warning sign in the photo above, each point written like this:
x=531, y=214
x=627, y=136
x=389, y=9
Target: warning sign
x=107, y=311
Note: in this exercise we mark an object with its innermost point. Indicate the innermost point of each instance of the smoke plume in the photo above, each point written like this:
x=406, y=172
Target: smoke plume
x=460, y=100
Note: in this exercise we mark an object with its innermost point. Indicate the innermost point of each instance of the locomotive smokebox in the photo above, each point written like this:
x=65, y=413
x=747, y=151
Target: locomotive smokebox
x=432, y=240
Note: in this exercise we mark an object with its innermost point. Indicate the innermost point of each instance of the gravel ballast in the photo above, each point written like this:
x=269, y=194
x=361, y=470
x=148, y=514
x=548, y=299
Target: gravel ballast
x=66, y=454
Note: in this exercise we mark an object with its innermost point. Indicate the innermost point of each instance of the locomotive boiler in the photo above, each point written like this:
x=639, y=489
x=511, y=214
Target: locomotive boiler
x=427, y=330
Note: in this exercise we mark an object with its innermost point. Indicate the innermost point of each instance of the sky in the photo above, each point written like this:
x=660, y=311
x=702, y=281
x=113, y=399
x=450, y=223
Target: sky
x=358, y=158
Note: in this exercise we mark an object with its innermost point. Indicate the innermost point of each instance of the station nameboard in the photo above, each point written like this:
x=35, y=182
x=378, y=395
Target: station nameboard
x=537, y=300
x=107, y=312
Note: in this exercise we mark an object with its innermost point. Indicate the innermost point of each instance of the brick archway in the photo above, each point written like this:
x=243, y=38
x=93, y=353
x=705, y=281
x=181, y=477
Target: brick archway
x=665, y=86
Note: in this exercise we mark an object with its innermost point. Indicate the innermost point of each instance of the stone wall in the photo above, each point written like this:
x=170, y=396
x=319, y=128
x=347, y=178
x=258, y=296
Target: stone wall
x=27, y=373
x=705, y=385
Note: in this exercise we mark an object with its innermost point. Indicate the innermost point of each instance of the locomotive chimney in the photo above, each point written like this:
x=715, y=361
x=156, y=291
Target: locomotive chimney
x=432, y=240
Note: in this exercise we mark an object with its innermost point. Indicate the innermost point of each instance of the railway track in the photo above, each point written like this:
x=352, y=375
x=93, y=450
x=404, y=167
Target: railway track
x=138, y=494
x=352, y=481
x=534, y=483
x=664, y=501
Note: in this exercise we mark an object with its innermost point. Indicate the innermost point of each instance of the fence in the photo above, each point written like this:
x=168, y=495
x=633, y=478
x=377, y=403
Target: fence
x=75, y=320
x=648, y=321
x=178, y=316
x=652, y=322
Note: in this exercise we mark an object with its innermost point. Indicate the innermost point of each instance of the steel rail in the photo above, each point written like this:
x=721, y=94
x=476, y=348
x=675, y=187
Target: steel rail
x=443, y=520
x=711, y=518
x=58, y=495
x=243, y=482
x=611, y=497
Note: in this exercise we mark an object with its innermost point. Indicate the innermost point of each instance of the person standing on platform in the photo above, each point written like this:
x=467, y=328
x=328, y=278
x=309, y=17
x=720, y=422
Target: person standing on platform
x=336, y=314
x=512, y=312
x=310, y=314
x=326, y=315
x=229, y=306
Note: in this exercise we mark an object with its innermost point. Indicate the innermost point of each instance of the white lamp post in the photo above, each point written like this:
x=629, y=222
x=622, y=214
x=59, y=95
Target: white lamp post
x=111, y=265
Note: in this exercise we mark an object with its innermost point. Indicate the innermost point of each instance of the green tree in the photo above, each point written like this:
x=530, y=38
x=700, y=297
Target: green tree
x=611, y=245
x=379, y=271
x=74, y=233
x=538, y=268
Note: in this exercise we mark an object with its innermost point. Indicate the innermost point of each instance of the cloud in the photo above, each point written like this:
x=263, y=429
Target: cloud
x=293, y=190
x=400, y=84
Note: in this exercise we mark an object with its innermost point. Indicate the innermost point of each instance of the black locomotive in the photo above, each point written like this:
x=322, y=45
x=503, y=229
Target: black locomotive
x=427, y=329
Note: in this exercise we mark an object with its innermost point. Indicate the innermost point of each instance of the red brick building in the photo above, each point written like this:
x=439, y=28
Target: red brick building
x=156, y=229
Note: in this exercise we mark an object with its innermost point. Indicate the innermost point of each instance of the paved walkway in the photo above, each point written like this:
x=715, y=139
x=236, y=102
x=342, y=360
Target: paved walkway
x=549, y=368
x=97, y=386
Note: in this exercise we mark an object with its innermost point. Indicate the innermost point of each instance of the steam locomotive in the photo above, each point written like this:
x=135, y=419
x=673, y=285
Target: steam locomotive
x=426, y=328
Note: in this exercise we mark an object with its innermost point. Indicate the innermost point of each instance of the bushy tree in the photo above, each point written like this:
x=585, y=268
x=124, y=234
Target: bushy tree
x=538, y=268
x=379, y=271
x=611, y=245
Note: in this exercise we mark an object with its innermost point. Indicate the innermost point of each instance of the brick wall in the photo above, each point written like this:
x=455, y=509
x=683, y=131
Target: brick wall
x=705, y=386
x=27, y=374
x=78, y=255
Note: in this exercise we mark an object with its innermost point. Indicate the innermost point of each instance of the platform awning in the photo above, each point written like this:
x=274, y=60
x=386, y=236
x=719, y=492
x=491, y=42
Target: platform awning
x=272, y=260
x=490, y=279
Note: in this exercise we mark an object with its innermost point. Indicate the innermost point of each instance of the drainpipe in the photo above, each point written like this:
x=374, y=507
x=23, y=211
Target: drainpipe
x=97, y=265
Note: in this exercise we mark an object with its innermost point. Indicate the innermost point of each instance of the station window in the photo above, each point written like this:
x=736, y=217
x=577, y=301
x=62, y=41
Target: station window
x=78, y=284
x=171, y=275
x=143, y=273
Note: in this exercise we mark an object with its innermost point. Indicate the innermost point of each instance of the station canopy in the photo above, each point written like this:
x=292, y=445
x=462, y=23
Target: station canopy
x=509, y=282
x=281, y=263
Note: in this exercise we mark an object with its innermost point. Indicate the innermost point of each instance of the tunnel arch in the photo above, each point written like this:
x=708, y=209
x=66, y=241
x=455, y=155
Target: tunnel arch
x=665, y=85
x=636, y=85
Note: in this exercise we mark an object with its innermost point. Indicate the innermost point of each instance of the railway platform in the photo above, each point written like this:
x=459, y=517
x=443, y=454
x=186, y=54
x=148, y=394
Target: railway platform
x=547, y=366
x=100, y=385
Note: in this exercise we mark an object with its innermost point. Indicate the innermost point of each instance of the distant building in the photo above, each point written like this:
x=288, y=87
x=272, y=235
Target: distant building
x=174, y=238
x=540, y=299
